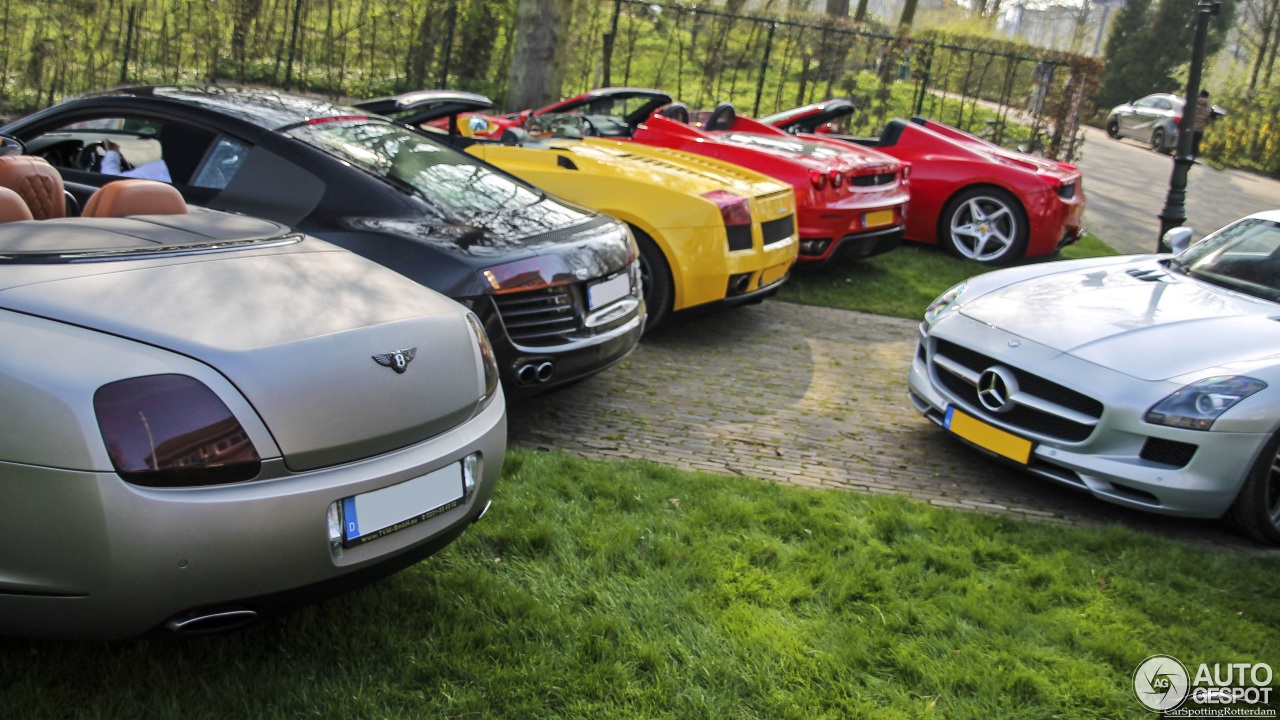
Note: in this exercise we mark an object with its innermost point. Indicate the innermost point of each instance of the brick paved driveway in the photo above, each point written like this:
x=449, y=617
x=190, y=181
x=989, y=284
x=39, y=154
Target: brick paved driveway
x=803, y=395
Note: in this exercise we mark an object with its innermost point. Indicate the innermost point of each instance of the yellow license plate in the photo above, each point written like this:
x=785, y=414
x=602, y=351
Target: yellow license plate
x=877, y=218
x=987, y=436
x=769, y=276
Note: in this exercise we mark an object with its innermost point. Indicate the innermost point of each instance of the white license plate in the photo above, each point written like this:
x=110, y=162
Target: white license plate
x=376, y=514
x=607, y=291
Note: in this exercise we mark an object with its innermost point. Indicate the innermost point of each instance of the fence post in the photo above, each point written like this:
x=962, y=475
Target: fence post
x=764, y=67
x=606, y=54
x=924, y=80
x=128, y=44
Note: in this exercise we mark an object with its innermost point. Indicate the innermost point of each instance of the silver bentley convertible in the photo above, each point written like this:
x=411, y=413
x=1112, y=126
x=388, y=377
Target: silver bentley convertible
x=1151, y=381
x=208, y=416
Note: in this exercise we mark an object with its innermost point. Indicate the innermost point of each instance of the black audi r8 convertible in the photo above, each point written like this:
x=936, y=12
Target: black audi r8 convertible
x=556, y=285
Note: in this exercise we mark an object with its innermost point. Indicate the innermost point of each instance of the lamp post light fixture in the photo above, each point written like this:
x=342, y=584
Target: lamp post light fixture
x=1175, y=204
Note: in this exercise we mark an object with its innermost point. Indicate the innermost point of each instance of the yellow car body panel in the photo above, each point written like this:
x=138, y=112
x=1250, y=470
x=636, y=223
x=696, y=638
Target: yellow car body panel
x=661, y=193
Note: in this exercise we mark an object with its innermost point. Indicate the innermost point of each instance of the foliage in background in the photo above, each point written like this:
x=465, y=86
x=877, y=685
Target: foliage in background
x=1149, y=42
x=630, y=590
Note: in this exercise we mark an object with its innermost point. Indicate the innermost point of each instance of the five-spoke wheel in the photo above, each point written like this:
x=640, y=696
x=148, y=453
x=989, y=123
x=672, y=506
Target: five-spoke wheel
x=985, y=224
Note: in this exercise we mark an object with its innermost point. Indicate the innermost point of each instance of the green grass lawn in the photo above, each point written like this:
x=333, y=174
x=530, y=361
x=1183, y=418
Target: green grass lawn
x=901, y=283
x=630, y=590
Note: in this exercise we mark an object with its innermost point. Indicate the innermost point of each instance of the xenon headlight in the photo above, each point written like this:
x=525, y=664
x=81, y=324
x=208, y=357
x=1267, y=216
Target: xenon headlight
x=946, y=301
x=1199, y=404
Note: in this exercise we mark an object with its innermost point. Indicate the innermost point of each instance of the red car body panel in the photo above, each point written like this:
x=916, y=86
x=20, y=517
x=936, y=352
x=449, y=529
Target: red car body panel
x=851, y=200
x=946, y=161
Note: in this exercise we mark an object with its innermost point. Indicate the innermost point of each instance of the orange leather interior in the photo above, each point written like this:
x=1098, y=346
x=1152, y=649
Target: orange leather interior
x=135, y=197
x=12, y=207
x=37, y=183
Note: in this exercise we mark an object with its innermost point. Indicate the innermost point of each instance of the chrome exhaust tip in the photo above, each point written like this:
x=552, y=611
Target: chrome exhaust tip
x=545, y=371
x=211, y=621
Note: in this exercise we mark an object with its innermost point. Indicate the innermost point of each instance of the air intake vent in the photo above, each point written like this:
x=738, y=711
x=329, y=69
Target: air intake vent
x=778, y=230
x=873, y=180
x=1167, y=452
x=1155, y=274
x=1067, y=191
x=539, y=317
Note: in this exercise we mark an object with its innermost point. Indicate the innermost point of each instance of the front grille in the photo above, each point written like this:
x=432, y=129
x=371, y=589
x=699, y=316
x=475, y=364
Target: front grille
x=778, y=230
x=1067, y=191
x=540, y=317
x=1167, y=452
x=739, y=236
x=1044, y=420
x=873, y=180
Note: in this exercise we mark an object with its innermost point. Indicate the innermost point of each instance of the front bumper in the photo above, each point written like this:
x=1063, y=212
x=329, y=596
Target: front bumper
x=1112, y=462
x=87, y=555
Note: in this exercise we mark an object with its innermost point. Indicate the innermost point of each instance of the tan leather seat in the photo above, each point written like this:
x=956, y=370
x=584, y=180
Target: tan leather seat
x=135, y=197
x=37, y=183
x=12, y=207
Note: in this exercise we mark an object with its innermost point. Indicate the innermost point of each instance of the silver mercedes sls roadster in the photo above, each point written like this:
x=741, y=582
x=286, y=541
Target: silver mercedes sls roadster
x=208, y=416
x=1151, y=381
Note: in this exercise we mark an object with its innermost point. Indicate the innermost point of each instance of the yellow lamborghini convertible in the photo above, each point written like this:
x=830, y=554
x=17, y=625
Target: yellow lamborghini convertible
x=708, y=231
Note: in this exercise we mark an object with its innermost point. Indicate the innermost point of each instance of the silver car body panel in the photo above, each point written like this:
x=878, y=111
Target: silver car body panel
x=1127, y=335
x=285, y=335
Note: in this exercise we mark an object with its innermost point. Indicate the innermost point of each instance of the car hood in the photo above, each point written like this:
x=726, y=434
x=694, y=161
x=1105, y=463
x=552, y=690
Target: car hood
x=1135, y=317
x=295, y=328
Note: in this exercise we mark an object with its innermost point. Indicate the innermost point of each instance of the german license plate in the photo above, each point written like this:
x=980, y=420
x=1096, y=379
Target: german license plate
x=604, y=292
x=376, y=514
x=988, y=436
x=877, y=218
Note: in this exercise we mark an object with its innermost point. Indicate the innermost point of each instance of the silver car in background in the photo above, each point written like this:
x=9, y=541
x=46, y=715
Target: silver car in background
x=1151, y=381
x=1153, y=120
x=208, y=416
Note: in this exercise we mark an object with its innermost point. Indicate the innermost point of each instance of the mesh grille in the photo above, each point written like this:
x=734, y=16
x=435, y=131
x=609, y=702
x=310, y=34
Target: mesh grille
x=778, y=230
x=540, y=317
x=1167, y=452
x=1032, y=420
x=739, y=236
x=870, y=180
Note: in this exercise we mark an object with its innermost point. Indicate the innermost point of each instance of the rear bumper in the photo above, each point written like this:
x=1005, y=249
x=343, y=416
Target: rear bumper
x=88, y=555
x=853, y=246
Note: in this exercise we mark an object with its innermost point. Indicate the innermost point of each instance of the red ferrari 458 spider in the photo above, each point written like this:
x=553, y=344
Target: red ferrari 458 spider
x=851, y=201
x=973, y=197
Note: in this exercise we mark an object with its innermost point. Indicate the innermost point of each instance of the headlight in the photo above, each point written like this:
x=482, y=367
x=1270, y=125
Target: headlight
x=1197, y=405
x=946, y=301
x=487, y=358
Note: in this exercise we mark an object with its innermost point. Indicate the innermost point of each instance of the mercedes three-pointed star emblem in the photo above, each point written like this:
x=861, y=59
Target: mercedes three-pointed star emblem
x=996, y=387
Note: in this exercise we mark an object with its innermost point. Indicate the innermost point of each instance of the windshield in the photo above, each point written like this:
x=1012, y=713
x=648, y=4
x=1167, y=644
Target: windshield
x=411, y=160
x=1244, y=257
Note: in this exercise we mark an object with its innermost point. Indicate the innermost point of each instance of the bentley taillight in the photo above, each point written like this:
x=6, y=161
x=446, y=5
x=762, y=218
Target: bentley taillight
x=172, y=431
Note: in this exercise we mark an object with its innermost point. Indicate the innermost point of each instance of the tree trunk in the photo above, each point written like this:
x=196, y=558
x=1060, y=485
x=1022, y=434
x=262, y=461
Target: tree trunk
x=538, y=62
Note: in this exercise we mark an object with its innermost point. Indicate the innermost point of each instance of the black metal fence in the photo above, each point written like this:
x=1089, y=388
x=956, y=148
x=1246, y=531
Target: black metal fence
x=762, y=62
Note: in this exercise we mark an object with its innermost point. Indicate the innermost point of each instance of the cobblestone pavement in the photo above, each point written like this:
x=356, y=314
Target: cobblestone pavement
x=810, y=396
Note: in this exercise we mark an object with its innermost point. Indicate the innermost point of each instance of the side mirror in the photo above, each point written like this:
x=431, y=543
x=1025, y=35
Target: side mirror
x=1178, y=239
x=10, y=145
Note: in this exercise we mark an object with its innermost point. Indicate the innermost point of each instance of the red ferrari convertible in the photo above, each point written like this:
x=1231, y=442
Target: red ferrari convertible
x=851, y=201
x=977, y=199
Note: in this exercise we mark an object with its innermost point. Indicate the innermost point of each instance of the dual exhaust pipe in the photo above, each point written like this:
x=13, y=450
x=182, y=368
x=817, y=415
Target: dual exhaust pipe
x=535, y=373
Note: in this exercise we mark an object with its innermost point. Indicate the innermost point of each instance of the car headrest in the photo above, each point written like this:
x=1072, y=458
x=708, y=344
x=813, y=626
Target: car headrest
x=892, y=133
x=677, y=111
x=722, y=117
x=37, y=183
x=12, y=207
x=135, y=197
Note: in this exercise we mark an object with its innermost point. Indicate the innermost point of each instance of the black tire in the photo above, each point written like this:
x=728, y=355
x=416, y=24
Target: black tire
x=655, y=274
x=1256, y=511
x=977, y=216
x=1113, y=129
x=1157, y=140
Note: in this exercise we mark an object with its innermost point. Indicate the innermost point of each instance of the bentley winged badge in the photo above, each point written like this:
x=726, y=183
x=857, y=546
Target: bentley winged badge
x=398, y=360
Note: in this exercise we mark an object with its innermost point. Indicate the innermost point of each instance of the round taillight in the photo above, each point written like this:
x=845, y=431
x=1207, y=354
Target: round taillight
x=172, y=431
x=487, y=357
x=818, y=180
x=837, y=178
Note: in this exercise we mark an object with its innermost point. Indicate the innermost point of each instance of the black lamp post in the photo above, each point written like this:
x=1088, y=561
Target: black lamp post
x=1175, y=203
